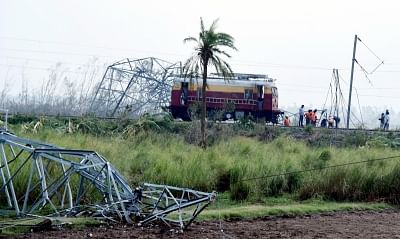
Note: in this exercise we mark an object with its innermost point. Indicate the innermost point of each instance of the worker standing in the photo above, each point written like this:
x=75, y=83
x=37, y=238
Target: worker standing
x=330, y=121
x=314, y=118
x=387, y=119
x=301, y=116
x=308, y=117
x=311, y=115
x=382, y=121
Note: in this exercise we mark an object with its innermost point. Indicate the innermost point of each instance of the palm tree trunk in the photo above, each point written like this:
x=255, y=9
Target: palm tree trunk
x=203, y=142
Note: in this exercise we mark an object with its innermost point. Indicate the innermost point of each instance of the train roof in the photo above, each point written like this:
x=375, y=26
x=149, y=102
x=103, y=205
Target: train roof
x=246, y=80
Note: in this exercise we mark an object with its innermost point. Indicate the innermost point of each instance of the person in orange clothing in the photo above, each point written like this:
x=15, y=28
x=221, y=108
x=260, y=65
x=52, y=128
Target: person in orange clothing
x=311, y=116
x=308, y=117
x=286, y=121
x=314, y=118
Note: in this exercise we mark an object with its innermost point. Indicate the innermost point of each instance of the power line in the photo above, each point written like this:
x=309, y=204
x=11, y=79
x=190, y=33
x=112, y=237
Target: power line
x=319, y=92
x=261, y=65
x=58, y=53
x=364, y=71
x=50, y=61
x=359, y=106
x=297, y=86
x=317, y=169
x=370, y=50
x=135, y=50
x=131, y=49
x=42, y=68
x=88, y=46
x=278, y=65
x=240, y=63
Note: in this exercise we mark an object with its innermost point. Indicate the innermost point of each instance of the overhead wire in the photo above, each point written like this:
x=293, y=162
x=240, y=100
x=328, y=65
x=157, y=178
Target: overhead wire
x=135, y=50
x=364, y=71
x=359, y=106
x=327, y=94
x=240, y=63
x=87, y=45
x=370, y=50
x=244, y=63
x=27, y=59
x=41, y=68
x=351, y=112
x=373, y=53
x=317, y=168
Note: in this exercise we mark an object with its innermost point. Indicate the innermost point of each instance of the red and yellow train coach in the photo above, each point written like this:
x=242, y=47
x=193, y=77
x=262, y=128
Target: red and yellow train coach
x=250, y=94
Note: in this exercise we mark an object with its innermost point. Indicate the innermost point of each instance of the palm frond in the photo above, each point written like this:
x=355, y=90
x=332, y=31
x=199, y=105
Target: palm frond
x=214, y=25
x=217, y=50
x=202, y=29
x=222, y=67
x=190, y=39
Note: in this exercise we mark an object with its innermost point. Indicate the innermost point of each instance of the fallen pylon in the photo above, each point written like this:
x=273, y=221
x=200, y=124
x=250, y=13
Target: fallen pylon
x=65, y=182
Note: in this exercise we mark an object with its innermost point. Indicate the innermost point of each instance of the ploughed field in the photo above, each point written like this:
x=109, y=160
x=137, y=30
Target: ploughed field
x=360, y=224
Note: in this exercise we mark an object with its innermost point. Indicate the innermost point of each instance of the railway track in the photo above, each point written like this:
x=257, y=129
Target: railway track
x=268, y=125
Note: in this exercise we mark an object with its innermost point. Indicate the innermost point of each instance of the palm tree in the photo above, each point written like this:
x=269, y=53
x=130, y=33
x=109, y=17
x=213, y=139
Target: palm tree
x=208, y=52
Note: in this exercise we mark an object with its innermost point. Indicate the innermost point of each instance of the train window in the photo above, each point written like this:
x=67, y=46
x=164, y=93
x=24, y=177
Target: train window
x=248, y=94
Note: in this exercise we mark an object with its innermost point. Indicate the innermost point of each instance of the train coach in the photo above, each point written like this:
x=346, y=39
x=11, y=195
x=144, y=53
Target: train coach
x=247, y=94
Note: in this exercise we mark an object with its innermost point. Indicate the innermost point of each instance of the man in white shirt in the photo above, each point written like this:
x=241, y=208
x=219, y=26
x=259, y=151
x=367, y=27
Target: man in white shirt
x=301, y=116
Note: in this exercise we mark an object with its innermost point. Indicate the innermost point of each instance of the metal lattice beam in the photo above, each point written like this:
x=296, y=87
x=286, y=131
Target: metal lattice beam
x=72, y=182
x=134, y=86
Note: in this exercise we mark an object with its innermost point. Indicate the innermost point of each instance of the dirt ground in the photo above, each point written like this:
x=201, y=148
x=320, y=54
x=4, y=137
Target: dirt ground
x=362, y=224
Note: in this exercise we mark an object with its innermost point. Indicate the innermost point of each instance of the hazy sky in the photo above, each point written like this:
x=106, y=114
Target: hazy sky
x=296, y=42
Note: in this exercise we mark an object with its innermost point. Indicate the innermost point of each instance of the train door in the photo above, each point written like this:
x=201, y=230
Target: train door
x=184, y=92
x=260, y=97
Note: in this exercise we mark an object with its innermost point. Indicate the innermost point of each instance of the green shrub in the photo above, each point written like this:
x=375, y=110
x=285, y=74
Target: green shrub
x=309, y=129
x=356, y=139
x=325, y=155
x=245, y=123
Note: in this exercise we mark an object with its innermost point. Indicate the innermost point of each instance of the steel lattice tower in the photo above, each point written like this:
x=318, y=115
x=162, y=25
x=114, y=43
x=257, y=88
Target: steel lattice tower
x=134, y=87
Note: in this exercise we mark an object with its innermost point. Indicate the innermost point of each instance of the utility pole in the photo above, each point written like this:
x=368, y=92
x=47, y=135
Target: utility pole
x=336, y=74
x=351, y=80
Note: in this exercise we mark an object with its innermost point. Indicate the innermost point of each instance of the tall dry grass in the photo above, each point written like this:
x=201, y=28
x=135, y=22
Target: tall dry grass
x=227, y=164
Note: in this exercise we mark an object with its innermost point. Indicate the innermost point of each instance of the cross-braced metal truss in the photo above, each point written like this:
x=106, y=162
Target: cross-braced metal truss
x=38, y=178
x=134, y=87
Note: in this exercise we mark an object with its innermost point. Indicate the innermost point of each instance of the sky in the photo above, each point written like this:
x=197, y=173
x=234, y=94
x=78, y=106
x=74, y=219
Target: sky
x=296, y=42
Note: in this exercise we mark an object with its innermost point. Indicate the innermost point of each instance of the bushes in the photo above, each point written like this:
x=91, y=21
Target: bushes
x=356, y=139
x=355, y=183
x=239, y=189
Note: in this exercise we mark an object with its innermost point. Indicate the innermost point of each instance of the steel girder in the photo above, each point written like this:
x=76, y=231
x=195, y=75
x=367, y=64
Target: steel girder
x=134, y=86
x=38, y=178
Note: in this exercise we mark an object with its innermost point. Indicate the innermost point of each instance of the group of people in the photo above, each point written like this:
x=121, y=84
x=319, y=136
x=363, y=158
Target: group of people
x=332, y=121
x=384, y=120
x=311, y=118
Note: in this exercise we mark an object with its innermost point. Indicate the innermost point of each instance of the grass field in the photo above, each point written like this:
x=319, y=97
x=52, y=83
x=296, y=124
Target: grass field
x=238, y=163
x=226, y=166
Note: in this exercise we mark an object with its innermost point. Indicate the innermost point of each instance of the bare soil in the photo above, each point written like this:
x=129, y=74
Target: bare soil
x=361, y=224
